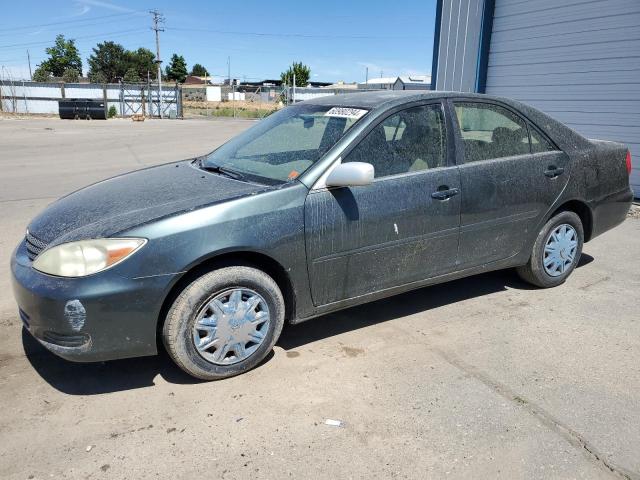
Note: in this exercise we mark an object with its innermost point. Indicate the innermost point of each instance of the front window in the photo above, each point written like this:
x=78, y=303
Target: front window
x=285, y=144
x=409, y=141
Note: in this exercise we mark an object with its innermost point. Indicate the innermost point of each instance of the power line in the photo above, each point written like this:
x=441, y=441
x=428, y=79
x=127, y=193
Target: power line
x=301, y=35
x=80, y=20
x=49, y=42
x=13, y=34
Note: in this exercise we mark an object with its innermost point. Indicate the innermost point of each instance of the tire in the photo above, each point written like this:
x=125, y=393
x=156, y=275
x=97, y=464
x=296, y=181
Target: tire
x=534, y=271
x=209, y=300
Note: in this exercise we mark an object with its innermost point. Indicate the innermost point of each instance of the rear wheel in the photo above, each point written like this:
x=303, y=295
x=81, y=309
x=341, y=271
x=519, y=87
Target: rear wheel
x=224, y=323
x=556, y=251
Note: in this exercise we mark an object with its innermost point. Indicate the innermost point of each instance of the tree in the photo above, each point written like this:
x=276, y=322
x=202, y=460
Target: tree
x=41, y=75
x=111, y=62
x=70, y=75
x=108, y=63
x=63, y=55
x=302, y=73
x=142, y=61
x=131, y=76
x=199, y=71
x=177, y=68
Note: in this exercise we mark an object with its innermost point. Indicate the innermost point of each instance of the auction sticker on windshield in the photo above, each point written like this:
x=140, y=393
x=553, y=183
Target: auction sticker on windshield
x=345, y=112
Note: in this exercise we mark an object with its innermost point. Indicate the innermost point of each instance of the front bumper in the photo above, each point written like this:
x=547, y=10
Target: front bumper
x=105, y=316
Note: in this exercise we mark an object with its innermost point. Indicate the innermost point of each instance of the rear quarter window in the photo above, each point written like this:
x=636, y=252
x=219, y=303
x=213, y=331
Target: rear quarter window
x=539, y=143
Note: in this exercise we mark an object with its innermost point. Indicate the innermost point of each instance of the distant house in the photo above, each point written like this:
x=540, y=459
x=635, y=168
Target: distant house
x=413, y=82
x=410, y=82
x=195, y=80
x=385, y=83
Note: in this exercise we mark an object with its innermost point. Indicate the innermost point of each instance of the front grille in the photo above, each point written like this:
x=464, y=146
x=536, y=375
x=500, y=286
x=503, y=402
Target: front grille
x=34, y=246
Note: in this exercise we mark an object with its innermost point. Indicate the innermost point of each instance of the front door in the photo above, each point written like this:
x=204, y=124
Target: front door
x=510, y=177
x=400, y=229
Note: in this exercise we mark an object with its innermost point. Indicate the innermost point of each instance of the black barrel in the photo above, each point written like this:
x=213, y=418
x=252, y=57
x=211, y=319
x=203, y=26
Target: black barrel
x=82, y=108
x=96, y=110
x=67, y=109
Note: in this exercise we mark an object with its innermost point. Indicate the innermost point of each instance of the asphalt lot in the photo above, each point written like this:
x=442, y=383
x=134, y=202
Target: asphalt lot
x=480, y=378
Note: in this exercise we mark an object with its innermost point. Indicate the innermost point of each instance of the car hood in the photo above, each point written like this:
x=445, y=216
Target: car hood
x=120, y=203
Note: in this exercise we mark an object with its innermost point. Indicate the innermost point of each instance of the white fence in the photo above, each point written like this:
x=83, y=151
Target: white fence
x=128, y=99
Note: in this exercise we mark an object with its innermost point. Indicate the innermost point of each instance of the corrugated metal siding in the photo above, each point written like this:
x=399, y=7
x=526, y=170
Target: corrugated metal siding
x=577, y=60
x=460, y=28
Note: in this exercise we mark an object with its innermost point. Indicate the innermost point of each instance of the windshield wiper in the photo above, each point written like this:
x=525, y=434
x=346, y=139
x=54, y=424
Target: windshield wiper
x=227, y=172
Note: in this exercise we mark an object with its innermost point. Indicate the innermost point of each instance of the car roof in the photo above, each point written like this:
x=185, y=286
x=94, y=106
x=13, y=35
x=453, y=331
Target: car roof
x=387, y=98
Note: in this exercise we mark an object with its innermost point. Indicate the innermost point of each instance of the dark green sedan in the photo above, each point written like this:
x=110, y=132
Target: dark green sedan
x=324, y=205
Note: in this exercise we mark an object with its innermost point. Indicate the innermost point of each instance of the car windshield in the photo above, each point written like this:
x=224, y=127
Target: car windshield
x=285, y=144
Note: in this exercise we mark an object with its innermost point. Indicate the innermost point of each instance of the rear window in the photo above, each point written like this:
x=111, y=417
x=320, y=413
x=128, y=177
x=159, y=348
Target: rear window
x=489, y=131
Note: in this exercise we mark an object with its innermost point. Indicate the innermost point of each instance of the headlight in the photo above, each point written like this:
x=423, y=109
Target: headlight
x=78, y=259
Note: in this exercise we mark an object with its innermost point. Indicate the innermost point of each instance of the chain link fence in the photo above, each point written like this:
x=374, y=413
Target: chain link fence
x=248, y=101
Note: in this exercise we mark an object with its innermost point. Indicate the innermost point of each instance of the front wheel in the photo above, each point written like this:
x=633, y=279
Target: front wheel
x=224, y=323
x=556, y=251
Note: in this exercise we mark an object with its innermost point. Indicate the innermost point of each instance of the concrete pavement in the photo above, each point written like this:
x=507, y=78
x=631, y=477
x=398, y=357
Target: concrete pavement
x=484, y=377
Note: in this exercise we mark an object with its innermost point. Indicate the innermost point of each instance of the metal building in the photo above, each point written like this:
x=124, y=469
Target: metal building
x=579, y=61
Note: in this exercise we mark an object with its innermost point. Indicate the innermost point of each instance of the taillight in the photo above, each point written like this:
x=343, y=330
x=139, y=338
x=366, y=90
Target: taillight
x=628, y=162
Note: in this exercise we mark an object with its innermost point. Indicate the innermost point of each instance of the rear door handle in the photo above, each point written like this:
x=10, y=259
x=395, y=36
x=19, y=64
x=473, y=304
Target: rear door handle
x=445, y=194
x=553, y=172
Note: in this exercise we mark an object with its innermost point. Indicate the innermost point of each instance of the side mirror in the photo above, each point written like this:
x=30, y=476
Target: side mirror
x=351, y=174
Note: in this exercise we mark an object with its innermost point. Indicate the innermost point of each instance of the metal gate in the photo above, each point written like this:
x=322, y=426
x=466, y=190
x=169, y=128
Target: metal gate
x=137, y=99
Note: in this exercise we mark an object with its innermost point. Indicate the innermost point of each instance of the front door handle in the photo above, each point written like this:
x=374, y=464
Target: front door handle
x=553, y=171
x=445, y=193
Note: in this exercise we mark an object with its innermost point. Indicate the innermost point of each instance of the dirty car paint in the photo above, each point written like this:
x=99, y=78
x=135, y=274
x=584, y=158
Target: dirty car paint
x=332, y=248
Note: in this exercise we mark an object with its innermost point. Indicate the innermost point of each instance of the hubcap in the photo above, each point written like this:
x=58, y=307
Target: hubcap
x=560, y=250
x=231, y=326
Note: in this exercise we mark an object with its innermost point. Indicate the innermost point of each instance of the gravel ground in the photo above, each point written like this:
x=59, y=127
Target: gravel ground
x=480, y=378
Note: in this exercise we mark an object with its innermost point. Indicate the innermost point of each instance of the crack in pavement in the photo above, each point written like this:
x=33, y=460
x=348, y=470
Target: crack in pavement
x=566, y=432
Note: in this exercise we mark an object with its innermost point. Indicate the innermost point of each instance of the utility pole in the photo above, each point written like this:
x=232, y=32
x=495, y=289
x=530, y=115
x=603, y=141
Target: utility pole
x=29, y=60
x=157, y=20
x=366, y=78
x=229, y=69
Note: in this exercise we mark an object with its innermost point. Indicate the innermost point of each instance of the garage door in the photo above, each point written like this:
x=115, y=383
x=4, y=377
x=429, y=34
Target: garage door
x=579, y=62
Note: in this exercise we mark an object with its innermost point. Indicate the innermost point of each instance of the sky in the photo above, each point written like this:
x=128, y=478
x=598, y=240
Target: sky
x=337, y=39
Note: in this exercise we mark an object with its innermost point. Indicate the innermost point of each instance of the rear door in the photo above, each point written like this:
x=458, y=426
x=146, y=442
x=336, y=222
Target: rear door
x=510, y=176
x=393, y=232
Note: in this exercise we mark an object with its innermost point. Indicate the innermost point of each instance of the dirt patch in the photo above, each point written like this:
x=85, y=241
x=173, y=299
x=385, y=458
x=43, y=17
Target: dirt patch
x=241, y=109
x=634, y=211
x=352, y=351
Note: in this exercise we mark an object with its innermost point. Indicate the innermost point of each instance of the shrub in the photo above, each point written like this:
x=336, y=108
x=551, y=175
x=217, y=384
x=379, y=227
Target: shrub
x=41, y=75
x=70, y=75
x=112, y=111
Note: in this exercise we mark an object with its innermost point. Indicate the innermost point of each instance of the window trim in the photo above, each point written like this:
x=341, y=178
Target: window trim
x=538, y=130
x=458, y=131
